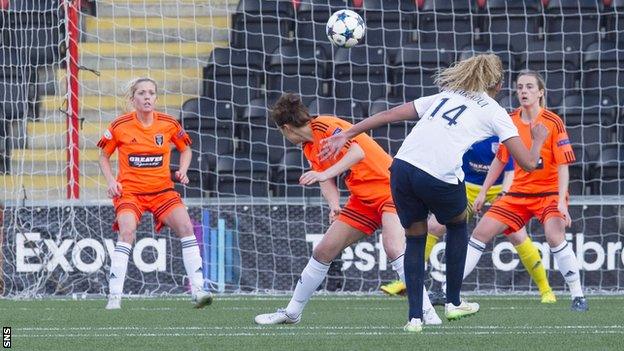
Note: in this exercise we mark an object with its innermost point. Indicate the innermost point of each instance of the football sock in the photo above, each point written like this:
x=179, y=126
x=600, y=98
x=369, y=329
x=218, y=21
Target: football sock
x=397, y=266
x=431, y=241
x=311, y=277
x=568, y=266
x=530, y=258
x=456, y=243
x=192, y=261
x=414, y=274
x=119, y=266
x=473, y=255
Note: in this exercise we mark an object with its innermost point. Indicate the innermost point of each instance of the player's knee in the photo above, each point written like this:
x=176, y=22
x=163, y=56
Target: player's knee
x=459, y=219
x=417, y=229
x=126, y=235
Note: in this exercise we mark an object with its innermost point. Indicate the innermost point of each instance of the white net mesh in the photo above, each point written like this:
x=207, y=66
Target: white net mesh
x=220, y=65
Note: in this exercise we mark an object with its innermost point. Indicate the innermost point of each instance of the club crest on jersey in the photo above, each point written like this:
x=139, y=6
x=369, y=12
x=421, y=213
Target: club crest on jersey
x=336, y=131
x=159, y=139
x=495, y=147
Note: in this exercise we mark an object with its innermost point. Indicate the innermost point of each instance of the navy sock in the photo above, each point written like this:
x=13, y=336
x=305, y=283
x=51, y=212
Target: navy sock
x=456, y=246
x=414, y=265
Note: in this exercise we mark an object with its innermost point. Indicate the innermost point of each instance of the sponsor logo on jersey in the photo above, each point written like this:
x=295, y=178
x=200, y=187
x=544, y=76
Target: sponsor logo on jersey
x=336, y=131
x=159, y=139
x=108, y=135
x=145, y=161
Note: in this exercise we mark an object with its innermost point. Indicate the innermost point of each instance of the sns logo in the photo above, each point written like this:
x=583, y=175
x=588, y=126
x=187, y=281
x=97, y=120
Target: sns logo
x=6, y=337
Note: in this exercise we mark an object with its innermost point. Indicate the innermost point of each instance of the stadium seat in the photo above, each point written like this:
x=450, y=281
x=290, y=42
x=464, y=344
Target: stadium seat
x=613, y=15
x=512, y=24
x=590, y=121
x=388, y=22
x=286, y=176
x=413, y=68
x=579, y=172
x=447, y=21
x=360, y=73
x=602, y=66
x=261, y=24
x=559, y=68
x=608, y=170
x=573, y=21
x=14, y=98
x=208, y=108
x=508, y=100
x=312, y=16
x=381, y=105
x=391, y=136
x=297, y=67
x=259, y=137
x=239, y=176
x=234, y=75
x=40, y=44
x=346, y=109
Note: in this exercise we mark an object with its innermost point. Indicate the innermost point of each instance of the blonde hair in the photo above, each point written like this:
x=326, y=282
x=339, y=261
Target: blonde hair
x=541, y=85
x=132, y=86
x=479, y=73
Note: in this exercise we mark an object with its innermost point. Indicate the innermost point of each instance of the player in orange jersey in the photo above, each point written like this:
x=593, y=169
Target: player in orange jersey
x=542, y=193
x=369, y=206
x=143, y=141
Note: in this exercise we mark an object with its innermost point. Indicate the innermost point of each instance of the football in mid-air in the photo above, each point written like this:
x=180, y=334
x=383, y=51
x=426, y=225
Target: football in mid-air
x=345, y=28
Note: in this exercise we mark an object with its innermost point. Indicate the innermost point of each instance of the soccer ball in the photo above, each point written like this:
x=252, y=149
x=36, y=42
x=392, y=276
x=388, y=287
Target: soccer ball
x=345, y=28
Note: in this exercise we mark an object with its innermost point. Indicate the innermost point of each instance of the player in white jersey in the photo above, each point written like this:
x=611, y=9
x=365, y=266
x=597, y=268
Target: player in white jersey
x=426, y=174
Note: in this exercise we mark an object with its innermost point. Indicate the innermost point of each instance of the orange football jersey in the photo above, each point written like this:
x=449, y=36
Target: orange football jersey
x=144, y=152
x=556, y=151
x=363, y=175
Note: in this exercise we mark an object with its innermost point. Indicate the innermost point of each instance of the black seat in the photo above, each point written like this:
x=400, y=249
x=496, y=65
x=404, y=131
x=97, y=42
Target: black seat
x=261, y=24
x=286, y=176
x=346, y=109
x=573, y=21
x=360, y=73
x=240, y=176
x=607, y=171
x=388, y=22
x=234, y=75
x=508, y=100
x=260, y=138
x=447, y=21
x=511, y=24
x=381, y=105
x=297, y=67
x=413, y=68
x=208, y=108
x=390, y=136
x=602, y=70
x=40, y=44
x=312, y=16
x=559, y=68
x=14, y=98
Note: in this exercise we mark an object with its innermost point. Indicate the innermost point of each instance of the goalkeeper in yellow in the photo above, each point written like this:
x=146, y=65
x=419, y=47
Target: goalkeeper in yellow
x=476, y=163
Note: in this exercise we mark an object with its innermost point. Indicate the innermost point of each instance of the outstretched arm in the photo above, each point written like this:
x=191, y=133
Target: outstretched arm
x=528, y=161
x=331, y=146
x=353, y=156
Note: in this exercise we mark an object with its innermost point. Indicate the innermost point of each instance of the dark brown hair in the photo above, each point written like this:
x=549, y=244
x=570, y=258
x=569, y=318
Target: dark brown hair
x=289, y=109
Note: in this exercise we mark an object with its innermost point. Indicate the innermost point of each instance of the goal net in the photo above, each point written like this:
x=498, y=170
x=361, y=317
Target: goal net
x=220, y=66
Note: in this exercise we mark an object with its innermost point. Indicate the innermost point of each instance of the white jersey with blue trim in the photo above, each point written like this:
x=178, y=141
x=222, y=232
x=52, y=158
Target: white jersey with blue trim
x=450, y=122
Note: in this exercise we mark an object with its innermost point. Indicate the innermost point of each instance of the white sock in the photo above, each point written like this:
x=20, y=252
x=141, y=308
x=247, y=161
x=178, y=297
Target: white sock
x=192, y=262
x=568, y=266
x=397, y=266
x=119, y=267
x=426, y=302
x=473, y=255
x=311, y=277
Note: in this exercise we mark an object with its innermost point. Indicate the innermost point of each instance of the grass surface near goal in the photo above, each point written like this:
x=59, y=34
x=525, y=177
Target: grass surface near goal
x=329, y=323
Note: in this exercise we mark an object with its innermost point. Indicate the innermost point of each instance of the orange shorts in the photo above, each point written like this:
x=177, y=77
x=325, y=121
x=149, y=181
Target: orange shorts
x=159, y=204
x=516, y=212
x=366, y=217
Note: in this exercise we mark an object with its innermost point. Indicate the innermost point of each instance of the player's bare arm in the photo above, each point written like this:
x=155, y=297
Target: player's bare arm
x=114, y=188
x=332, y=145
x=496, y=168
x=353, y=156
x=563, y=173
x=332, y=196
x=518, y=150
x=185, y=161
